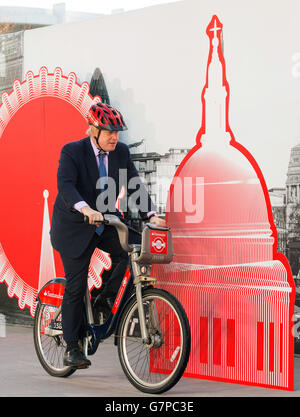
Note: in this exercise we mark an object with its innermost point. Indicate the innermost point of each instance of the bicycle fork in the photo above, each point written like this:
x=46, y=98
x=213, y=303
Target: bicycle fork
x=139, y=279
x=149, y=333
x=142, y=319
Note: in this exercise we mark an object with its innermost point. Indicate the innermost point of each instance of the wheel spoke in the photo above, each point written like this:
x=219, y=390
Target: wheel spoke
x=50, y=349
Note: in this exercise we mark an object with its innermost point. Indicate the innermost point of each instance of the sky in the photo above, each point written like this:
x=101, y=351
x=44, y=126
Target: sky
x=90, y=6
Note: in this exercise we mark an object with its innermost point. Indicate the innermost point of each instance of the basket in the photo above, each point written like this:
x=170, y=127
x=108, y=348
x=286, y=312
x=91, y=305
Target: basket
x=157, y=245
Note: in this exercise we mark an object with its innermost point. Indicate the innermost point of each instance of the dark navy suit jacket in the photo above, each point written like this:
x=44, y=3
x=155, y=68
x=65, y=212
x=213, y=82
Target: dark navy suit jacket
x=77, y=176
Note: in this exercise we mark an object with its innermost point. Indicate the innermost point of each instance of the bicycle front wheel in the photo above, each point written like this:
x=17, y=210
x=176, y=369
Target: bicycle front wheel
x=156, y=366
x=49, y=343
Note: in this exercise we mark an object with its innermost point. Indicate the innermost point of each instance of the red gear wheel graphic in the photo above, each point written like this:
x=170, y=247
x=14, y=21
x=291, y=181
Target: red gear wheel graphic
x=32, y=133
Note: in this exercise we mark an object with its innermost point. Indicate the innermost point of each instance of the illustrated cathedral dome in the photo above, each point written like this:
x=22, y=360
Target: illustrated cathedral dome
x=218, y=202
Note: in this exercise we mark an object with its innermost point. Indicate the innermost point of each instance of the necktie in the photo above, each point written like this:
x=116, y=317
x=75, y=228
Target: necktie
x=103, y=181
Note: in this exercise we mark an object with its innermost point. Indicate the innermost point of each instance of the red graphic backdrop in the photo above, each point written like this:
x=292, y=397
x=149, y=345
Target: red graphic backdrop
x=237, y=290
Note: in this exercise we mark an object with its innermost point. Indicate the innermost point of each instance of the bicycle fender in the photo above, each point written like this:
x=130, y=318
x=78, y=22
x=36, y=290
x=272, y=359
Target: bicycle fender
x=52, y=292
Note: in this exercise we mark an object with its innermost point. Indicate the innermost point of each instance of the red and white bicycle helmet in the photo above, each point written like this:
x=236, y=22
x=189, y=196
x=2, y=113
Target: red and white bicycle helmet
x=104, y=116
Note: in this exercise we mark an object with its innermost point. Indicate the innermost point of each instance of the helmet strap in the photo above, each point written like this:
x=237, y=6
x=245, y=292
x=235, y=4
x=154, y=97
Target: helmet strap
x=97, y=140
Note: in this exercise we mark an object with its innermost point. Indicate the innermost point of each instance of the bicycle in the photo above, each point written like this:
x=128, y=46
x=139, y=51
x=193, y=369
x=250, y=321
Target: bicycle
x=150, y=326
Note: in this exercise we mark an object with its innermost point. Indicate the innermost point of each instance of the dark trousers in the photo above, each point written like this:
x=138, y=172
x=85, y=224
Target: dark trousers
x=76, y=273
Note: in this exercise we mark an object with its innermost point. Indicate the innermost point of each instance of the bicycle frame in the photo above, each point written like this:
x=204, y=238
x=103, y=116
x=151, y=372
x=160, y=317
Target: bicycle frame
x=52, y=294
x=99, y=332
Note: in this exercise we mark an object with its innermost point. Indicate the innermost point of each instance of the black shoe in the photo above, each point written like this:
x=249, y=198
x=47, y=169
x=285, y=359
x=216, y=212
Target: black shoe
x=76, y=359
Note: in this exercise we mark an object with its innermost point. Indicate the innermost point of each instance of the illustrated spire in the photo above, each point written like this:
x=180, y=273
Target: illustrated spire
x=47, y=265
x=214, y=97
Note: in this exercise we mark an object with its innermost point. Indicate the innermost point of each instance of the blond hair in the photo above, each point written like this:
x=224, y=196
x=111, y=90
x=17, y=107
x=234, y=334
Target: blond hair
x=92, y=131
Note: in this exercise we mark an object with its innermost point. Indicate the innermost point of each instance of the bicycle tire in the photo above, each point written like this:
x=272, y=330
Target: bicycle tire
x=163, y=363
x=49, y=349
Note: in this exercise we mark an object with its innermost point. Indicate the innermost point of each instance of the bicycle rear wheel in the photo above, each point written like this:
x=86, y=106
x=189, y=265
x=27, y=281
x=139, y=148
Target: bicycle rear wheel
x=157, y=366
x=49, y=343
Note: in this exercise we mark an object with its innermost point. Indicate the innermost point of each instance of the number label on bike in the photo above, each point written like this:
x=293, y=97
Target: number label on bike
x=159, y=242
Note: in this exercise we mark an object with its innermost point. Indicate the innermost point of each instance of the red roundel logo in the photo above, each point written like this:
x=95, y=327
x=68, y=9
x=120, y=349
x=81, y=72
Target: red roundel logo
x=158, y=242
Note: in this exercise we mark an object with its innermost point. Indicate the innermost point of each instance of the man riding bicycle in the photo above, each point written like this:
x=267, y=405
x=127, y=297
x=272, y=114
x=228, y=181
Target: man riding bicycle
x=89, y=183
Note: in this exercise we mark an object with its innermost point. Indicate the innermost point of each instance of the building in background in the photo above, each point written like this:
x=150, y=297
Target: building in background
x=278, y=203
x=21, y=18
x=157, y=172
x=13, y=22
x=293, y=209
x=98, y=86
x=285, y=204
x=11, y=60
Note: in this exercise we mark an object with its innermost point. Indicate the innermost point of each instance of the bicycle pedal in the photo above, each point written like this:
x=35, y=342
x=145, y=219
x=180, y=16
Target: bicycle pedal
x=52, y=332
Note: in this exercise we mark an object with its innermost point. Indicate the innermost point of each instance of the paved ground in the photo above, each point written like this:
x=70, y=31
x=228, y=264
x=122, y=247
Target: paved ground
x=22, y=375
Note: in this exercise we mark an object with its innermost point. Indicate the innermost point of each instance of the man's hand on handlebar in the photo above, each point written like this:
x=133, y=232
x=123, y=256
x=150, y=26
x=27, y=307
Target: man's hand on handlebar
x=158, y=221
x=94, y=216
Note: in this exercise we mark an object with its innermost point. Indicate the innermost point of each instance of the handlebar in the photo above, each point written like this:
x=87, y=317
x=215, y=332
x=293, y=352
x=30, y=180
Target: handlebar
x=86, y=220
x=122, y=229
